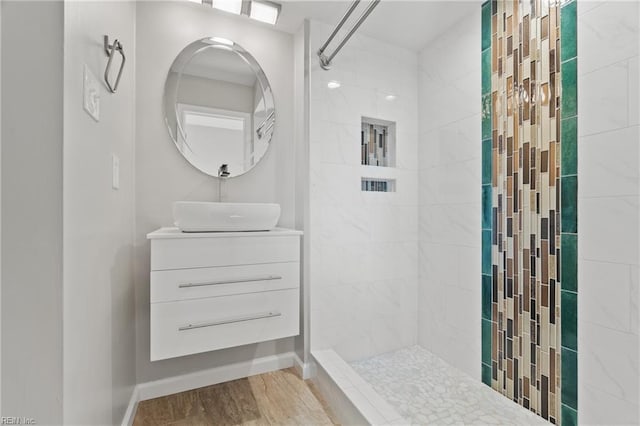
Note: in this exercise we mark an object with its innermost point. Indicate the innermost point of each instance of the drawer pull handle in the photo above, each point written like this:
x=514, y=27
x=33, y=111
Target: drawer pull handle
x=240, y=280
x=230, y=320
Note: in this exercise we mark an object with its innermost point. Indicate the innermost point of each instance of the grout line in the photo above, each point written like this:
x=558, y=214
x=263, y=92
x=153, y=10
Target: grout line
x=617, y=129
x=578, y=13
x=612, y=197
x=618, y=62
x=606, y=261
x=627, y=333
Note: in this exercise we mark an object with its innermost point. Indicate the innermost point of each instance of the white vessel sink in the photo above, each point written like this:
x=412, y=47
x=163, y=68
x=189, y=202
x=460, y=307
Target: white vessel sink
x=196, y=216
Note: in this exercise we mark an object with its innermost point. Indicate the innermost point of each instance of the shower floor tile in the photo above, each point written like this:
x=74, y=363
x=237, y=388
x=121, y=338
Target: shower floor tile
x=426, y=390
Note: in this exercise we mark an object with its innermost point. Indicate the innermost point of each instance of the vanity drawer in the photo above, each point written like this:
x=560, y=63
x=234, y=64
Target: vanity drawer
x=184, y=284
x=201, y=325
x=182, y=253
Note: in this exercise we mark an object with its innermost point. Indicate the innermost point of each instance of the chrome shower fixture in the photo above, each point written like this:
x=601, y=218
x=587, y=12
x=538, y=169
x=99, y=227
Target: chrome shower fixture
x=325, y=61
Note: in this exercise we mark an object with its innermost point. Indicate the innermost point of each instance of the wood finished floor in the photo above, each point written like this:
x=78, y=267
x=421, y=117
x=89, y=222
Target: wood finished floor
x=277, y=398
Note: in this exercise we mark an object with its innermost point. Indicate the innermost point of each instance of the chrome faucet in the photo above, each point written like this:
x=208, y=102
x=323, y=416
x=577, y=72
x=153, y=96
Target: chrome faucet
x=223, y=173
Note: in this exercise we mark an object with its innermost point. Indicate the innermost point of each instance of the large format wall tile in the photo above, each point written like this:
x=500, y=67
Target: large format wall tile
x=609, y=212
x=606, y=92
x=610, y=28
x=609, y=296
x=612, y=161
x=449, y=220
x=615, y=369
x=613, y=226
x=601, y=408
x=364, y=245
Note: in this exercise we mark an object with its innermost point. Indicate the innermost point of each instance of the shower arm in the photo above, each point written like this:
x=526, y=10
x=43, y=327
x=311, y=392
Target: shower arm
x=325, y=61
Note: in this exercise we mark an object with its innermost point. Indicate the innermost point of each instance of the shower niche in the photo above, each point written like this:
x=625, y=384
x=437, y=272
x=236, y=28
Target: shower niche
x=378, y=150
x=378, y=143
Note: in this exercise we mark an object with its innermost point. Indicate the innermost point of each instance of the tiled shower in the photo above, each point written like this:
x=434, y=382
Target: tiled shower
x=364, y=245
x=529, y=205
x=490, y=257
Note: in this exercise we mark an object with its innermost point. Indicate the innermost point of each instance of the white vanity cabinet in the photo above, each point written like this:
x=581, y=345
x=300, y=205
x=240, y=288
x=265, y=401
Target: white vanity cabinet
x=217, y=290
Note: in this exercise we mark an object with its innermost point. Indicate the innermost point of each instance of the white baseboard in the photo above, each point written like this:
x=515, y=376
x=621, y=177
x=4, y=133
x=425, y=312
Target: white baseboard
x=305, y=370
x=176, y=384
x=213, y=376
x=130, y=414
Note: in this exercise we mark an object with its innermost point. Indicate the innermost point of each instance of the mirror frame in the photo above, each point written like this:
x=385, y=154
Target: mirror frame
x=184, y=57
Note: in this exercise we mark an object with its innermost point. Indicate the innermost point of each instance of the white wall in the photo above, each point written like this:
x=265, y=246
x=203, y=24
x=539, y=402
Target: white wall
x=363, y=245
x=301, y=119
x=608, y=212
x=99, y=333
x=450, y=165
x=66, y=236
x=163, y=29
x=32, y=75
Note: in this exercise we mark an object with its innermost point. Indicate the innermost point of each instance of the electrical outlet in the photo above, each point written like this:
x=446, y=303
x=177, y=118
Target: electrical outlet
x=115, y=180
x=91, y=94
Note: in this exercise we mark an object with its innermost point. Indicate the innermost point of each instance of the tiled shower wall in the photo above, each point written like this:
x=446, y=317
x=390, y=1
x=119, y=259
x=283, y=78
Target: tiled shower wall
x=529, y=211
x=449, y=193
x=608, y=194
x=609, y=216
x=363, y=245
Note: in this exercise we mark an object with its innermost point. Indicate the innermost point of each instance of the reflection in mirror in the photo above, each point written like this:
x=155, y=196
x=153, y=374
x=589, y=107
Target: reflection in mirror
x=219, y=107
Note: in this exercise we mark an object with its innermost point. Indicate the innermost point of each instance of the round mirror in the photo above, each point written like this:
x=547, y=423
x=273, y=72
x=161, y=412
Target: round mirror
x=219, y=107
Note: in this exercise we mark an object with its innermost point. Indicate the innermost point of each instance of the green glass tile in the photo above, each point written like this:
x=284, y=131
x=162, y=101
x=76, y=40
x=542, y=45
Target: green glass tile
x=486, y=342
x=569, y=262
x=569, y=373
x=486, y=25
x=486, y=374
x=569, y=204
x=569, y=146
x=486, y=252
x=486, y=206
x=486, y=71
x=569, y=416
x=568, y=32
x=569, y=319
x=487, y=159
x=569, y=97
x=486, y=297
x=486, y=116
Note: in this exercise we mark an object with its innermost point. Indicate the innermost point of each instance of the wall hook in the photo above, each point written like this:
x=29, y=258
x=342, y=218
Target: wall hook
x=110, y=50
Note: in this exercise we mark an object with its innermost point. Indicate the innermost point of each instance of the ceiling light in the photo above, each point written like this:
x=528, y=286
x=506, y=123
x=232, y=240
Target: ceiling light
x=221, y=40
x=233, y=6
x=264, y=11
x=333, y=84
x=390, y=97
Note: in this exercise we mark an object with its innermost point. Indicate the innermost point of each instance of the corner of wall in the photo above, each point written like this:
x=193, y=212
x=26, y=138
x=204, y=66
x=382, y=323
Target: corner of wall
x=32, y=209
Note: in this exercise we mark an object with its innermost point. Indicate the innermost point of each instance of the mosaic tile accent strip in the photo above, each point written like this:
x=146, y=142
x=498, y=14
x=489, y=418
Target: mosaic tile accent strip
x=427, y=391
x=529, y=204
